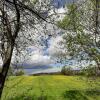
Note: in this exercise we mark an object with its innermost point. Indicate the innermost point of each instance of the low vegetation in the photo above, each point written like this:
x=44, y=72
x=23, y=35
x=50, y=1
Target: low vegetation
x=89, y=71
x=51, y=87
x=19, y=73
x=67, y=70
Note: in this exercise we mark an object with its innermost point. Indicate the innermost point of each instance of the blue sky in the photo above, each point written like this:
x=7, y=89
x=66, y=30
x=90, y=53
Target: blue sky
x=61, y=3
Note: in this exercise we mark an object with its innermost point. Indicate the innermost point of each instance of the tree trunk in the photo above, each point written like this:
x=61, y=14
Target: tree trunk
x=5, y=68
x=98, y=69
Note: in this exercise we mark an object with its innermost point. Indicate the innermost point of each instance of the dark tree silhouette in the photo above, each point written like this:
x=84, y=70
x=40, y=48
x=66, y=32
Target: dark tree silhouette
x=15, y=17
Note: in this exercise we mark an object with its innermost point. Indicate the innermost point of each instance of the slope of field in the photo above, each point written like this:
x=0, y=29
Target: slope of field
x=51, y=87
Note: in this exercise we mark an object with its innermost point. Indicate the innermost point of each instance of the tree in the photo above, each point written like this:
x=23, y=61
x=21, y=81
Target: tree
x=89, y=70
x=67, y=70
x=16, y=17
x=19, y=72
x=82, y=27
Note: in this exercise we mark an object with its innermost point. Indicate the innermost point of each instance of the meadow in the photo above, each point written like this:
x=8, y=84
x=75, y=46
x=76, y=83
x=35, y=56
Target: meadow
x=51, y=87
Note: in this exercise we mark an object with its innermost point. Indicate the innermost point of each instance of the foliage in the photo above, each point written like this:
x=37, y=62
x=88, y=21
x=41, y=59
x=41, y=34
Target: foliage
x=71, y=20
x=90, y=70
x=82, y=31
x=19, y=72
x=67, y=70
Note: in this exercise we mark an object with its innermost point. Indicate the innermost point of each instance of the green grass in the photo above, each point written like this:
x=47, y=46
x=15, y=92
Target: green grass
x=51, y=87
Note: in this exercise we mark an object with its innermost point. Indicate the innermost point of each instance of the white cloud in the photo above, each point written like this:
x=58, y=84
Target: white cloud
x=49, y=70
x=61, y=10
x=56, y=47
x=37, y=58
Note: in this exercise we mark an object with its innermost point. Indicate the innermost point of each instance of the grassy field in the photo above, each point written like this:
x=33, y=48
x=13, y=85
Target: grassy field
x=51, y=87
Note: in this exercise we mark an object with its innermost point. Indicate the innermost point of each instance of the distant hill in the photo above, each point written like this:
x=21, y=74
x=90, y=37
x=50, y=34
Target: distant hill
x=46, y=73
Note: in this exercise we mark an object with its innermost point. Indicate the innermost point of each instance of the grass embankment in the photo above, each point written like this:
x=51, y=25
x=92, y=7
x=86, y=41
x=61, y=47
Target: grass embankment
x=51, y=87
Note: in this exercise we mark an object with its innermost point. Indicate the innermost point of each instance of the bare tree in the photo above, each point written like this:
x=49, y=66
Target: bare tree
x=16, y=17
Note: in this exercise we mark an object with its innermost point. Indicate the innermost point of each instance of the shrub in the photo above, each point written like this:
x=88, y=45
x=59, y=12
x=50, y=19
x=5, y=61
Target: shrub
x=19, y=72
x=89, y=70
x=67, y=70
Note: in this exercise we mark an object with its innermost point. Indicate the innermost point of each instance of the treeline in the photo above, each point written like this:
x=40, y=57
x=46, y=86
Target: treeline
x=46, y=73
x=90, y=70
x=14, y=72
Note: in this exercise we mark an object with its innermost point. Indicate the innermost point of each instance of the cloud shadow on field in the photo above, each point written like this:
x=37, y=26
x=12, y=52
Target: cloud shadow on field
x=23, y=97
x=74, y=95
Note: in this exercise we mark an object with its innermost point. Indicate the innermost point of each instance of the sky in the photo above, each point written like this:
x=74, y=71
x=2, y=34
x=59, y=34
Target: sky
x=61, y=3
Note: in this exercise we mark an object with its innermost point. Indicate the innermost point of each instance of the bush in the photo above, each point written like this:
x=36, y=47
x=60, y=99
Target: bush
x=89, y=70
x=67, y=70
x=19, y=72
